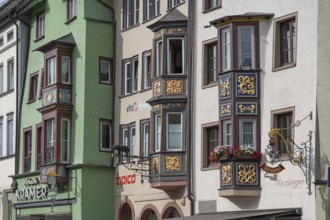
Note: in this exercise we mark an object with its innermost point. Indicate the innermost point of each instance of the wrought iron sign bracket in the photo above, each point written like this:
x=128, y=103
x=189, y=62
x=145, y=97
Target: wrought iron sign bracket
x=300, y=156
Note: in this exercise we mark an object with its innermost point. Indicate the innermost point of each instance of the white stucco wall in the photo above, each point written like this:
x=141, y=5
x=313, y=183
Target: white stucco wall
x=7, y=106
x=286, y=88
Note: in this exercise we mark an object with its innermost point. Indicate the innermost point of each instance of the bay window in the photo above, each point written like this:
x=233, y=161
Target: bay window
x=174, y=131
x=247, y=132
x=157, y=133
x=50, y=142
x=227, y=133
x=246, y=47
x=175, y=55
x=159, y=58
x=226, y=49
x=51, y=71
x=66, y=67
x=65, y=140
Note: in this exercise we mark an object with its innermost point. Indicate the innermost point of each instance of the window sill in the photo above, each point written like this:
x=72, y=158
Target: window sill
x=210, y=85
x=127, y=95
x=130, y=27
x=210, y=167
x=7, y=157
x=286, y=66
x=145, y=90
x=39, y=38
x=6, y=93
x=169, y=9
x=70, y=20
x=150, y=19
x=211, y=9
x=31, y=101
x=105, y=83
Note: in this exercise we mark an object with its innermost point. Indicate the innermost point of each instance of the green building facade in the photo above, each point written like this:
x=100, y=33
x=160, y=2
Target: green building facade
x=63, y=166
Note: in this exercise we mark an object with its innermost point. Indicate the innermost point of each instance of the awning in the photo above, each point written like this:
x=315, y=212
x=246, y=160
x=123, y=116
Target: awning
x=245, y=214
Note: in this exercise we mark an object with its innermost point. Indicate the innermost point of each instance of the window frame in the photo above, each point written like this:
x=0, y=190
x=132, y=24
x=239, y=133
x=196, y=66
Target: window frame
x=10, y=74
x=151, y=9
x=224, y=67
x=27, y=152
x=132, y=140
x=174, y=3
x=205, y=129
x=10, y=134
x=168, y=148
x=131, y=13
x=40, y=25
x=146, y=70
x=208, y=7
x=68, y=141
x=206, y=62
x=225, y=134
x=38, y=145
x=130, y=76
x=69, y=70
x=239, y=46
x=277, y=59
x=126, y=140
x=50, y=82
x=274, y=124
x=109, y=61
x=144, y=139
x=2, y=77
x=159, y=58
x=254, y=124
x=33, y=90
x=157, y=133
x=168, y=55
x=106, y=122
x=1, y=137
x=48, y=141
x=10, y=35
x=71, y=9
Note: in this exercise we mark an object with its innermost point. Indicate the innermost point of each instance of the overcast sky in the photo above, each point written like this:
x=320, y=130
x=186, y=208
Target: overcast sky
x=1, y=1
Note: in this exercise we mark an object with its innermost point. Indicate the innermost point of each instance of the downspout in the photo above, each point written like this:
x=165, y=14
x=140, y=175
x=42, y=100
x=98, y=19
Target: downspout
x=19, y=97
x=113, y=60
x=190, y=151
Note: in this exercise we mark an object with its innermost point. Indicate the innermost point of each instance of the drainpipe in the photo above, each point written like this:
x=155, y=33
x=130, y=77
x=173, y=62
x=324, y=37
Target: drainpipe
x=190, y=108
x=114, y=59
x=19, y=97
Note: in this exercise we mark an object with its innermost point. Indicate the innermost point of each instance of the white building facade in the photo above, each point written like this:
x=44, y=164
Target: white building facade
x=7, y=114
x=256, y=62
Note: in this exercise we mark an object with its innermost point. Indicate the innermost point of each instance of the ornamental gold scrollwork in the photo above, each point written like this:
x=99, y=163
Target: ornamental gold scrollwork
x=247, y=173
x=174, y=87
x=226, y=174
x=246, y=85
x=224, y=88
x=249, y=108
x=225, y=110
x=175, y=30
x=155, y=165
x=157, y=88
x=172, y=163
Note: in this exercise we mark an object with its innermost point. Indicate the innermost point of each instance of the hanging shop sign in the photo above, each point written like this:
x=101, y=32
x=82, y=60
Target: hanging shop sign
x=125, y=180
x=272, y=170
x=33, y=192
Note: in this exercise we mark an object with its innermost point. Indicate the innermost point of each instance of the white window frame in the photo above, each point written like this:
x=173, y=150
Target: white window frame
x=10, y=135
x=51, y=76
x=68, y=141
x=158, y=132
x=51, y=136
x=225, y=134
x=224, y=65
x=1, y=79
x=146, y=70
x=159, y=58
x=168, y=131
x=136, y=12
x=69, y=69
x=102, y=147
x=239, y=29
x=10, y=74
x=108, y=63
x=72, y=9
x=169, y=55
x=135, y=75
x=1, y=137
x=41, y=25
x=132, y=140
x=127, y=75
x=254, y=123
x=1, y=42
x=145, y=139
x=151, y=5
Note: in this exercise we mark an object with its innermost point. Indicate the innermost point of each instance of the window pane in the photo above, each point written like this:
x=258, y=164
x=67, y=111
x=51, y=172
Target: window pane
x=159, y=58
x=226, y=50
x=10, y=137
x=174, y=131
x=10, y=75
x=51, y=74
x=212, y=138
x=132, y=142
x=246, y=46
x=1, y=80
x=146, y=140
x=1, y=138
x=175, y=56
x=65, y=140
x=247, y=133
x=135, y=75
x=105, y=129
x=105, y=71
x=127, y=78
x=157, y=132
x=65, y=69
x=50, y=142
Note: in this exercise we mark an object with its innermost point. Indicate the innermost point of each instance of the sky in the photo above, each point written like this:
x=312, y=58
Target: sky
x=1, y=1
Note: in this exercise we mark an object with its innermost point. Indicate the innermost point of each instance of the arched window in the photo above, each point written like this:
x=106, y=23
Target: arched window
x=171, y=212
x=125, y=212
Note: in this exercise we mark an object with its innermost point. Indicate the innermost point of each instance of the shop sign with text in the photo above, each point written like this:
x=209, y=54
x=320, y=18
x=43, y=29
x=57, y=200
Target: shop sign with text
x=33, y=192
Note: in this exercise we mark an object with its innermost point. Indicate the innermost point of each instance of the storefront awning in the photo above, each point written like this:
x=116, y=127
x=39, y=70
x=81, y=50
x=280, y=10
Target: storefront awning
x=245, y=214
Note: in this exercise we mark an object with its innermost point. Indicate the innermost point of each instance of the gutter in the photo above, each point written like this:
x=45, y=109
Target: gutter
x=190, y=103
x=114, y=32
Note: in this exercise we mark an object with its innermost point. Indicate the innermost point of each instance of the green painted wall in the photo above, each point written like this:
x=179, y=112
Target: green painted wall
x=92, y=101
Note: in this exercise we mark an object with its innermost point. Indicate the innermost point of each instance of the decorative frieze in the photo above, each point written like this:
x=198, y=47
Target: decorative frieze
x=172, y=163
x=174, y=87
